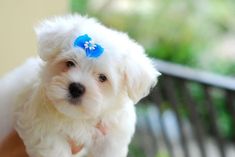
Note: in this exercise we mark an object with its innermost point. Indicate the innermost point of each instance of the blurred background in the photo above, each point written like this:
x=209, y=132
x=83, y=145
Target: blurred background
x=17, y=37
x=193, y=34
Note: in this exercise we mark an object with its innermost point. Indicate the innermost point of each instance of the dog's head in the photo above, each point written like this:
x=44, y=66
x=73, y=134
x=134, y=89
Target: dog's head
x=89, y=68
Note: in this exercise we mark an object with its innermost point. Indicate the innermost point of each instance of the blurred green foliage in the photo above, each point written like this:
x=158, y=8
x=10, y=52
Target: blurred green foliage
x=223, y=119
x=79, y=6
x=184, y=32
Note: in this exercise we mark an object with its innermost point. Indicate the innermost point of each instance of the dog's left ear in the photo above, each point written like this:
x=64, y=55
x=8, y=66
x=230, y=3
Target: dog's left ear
x=140, y=74
x=51, y=35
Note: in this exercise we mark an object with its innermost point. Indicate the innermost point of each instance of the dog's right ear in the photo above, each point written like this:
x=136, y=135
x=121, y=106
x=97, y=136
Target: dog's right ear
x=140, y=75
x=50, y=37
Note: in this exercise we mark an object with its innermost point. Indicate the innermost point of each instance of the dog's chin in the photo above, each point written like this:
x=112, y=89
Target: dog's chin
x=75, y=109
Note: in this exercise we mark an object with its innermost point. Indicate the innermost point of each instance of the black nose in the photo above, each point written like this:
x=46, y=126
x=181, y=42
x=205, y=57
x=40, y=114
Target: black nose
x=76, y=90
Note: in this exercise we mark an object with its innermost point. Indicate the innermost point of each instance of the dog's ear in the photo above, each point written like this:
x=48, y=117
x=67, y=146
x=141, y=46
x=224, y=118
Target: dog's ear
x=51, y=35
x=140, y=74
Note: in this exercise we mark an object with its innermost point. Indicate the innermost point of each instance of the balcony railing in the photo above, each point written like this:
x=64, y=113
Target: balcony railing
x=196, y=101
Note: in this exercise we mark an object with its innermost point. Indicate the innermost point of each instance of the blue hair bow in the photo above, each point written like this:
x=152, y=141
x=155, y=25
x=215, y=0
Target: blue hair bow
x=92, y=49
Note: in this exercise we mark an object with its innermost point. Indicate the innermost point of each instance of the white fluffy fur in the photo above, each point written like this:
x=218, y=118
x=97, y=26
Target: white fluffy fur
x=34, y=97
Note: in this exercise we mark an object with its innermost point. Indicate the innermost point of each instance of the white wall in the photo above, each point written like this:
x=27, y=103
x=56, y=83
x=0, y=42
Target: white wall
x=17, y=19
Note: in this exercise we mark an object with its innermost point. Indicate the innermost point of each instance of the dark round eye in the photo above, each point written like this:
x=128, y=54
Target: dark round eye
x=70, y=64
x=102, y=78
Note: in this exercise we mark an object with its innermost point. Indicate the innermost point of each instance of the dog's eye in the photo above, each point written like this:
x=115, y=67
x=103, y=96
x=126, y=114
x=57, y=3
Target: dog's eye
x=102, y=78
x=70, y=64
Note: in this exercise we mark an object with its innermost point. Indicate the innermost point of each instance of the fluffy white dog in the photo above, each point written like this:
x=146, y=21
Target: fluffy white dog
x=80, y=92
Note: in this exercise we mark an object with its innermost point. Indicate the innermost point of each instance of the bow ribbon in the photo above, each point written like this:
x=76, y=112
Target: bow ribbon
x=92, y=49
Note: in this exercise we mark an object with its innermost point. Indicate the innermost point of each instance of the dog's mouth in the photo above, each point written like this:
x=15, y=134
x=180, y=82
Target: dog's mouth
x=74, y=101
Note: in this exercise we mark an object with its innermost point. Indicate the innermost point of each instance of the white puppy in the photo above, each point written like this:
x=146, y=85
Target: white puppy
x=80, y=93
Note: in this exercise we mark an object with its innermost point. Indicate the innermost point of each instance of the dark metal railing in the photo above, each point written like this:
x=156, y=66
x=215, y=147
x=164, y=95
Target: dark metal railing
x=174, y=91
